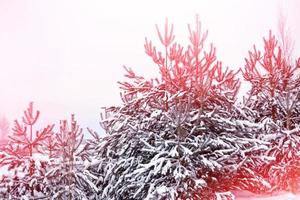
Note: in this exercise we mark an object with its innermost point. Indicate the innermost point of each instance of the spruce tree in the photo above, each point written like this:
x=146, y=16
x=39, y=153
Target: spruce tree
x=24, y=140
x=177, y=136
x=26, y=167
x=274, y=102
x=67, y=176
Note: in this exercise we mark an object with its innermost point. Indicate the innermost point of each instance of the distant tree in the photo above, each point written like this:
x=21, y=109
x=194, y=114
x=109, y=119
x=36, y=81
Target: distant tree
x=175, y=137
x=285, y=40
x=4, y=128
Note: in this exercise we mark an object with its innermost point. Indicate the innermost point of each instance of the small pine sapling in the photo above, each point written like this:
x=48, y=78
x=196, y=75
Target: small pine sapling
x=24, y=139
x=67, y=178
x=69, y=140
x=26, y=168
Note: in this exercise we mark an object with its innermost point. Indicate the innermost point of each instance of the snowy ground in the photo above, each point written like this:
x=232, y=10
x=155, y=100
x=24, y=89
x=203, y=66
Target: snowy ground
x=279, y=196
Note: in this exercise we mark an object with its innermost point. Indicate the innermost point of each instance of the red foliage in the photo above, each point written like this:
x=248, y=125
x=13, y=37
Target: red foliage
x=273, y=80
x=186, y=69
x=24, y=141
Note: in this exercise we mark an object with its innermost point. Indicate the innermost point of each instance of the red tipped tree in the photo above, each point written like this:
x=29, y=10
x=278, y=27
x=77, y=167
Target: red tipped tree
x=275, y=83
x=174, y=137
x=25, y=140
x=26, y=172
x=274, y=101
x=67, y=176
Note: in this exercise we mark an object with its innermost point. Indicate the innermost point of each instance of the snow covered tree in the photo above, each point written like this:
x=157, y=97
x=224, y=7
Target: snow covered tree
x=274, y=82
x=23, y=178
x=66, y=178
x=46, y=165
x=175, y=137
x=274, y=97
x=26, y=171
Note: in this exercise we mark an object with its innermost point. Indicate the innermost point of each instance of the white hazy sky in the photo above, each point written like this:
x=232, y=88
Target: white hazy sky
x=67, y=56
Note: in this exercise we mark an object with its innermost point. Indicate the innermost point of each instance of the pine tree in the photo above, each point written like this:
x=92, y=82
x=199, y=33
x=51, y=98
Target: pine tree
x=25, y=170
x=274, y=97
x=67, y=178
x=23, y=140
x=175, y=137
x=48, y=164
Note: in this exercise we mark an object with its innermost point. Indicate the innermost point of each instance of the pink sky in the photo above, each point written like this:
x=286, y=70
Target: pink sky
x=67, y=56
